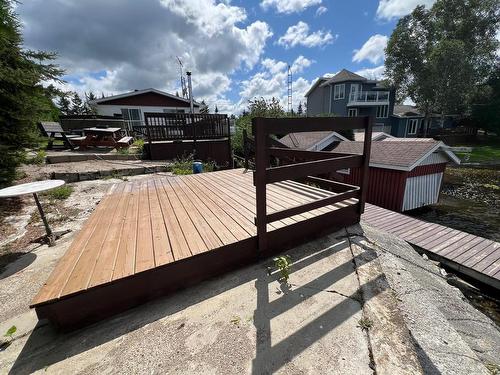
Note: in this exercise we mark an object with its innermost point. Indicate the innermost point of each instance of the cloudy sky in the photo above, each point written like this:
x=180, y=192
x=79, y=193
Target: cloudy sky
x=237, y=50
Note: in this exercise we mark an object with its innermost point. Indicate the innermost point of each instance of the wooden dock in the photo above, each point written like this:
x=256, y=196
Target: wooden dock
x=150, y=237
x=474, y=256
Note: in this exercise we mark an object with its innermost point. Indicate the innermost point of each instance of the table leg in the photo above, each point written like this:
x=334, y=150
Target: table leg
x=50, y=236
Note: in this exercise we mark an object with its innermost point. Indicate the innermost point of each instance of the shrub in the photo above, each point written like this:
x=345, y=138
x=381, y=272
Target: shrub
x=39, y=158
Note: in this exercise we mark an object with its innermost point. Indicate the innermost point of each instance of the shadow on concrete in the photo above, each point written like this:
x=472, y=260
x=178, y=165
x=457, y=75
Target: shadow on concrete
x=269, y=358
x=15, y=262
x=46, y=346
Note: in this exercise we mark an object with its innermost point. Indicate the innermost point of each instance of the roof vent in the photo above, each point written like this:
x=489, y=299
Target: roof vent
x=135, y=90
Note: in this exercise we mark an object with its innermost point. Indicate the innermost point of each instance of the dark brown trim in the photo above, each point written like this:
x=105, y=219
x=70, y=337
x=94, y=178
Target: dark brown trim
x=308, y=124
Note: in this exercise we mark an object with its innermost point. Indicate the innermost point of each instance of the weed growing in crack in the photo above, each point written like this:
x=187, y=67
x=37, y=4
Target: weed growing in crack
x=284, y=264
x=365, y=323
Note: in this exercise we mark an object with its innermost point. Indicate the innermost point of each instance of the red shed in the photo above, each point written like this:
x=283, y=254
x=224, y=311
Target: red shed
x=404, y=173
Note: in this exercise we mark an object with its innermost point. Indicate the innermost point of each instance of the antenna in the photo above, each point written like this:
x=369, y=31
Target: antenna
x=289, y=82
x=183, y=79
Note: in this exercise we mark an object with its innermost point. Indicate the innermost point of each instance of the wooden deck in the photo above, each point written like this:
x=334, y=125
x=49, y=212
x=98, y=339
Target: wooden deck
x=150, y=237
x=474, y=256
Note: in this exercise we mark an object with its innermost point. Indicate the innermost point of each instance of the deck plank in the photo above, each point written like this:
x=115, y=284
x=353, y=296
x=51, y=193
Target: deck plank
x=161, y=242
x=124, y=264
x=57, y=279
x=144, y=257
x=179, y=246
x=104, y=266
x=189, y=230
x=80, y=275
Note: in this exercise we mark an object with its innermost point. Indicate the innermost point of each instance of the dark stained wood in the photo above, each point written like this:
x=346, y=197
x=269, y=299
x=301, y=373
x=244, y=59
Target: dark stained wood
x=153, y=236
x=474, y=256
x=367, y=144
x=307, y=124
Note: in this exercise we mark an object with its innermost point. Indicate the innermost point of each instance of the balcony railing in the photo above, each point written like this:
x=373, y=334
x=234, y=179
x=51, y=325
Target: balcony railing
x=369, y=97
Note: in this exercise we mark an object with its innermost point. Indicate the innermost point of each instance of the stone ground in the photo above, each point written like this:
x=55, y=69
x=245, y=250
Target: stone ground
x=359, y=301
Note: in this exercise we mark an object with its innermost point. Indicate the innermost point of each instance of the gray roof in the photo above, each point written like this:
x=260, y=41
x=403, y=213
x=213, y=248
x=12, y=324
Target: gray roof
x=403, y=110
x=343, y=76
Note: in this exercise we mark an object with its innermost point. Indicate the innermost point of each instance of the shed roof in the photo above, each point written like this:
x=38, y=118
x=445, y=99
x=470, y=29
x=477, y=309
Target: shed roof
x=376, y=136
x=396, y=154
x=307, y=140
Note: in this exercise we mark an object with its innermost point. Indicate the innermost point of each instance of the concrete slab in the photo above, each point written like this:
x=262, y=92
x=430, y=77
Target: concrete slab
x=244, y=322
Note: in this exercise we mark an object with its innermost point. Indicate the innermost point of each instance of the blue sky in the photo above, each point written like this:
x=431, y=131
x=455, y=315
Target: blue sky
x=236, y=50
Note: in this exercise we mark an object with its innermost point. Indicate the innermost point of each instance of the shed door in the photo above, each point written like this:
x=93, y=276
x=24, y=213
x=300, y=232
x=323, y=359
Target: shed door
x=422, y=191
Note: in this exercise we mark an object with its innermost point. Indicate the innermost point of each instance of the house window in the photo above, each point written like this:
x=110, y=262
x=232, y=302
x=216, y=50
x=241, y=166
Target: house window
x=352, y=112
x=339, y=91
x=412, y=126
x=131, y=117
x=382, y=111
x=169, y=110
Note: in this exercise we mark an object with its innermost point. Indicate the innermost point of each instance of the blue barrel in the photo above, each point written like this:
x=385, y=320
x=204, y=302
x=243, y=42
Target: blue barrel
x=197, y=167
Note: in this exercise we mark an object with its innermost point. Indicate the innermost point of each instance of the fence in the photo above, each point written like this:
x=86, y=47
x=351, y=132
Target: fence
x=183, y=126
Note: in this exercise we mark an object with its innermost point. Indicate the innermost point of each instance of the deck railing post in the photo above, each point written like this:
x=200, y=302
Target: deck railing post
x=365, y=169
x=148, y=131
x=259, y=180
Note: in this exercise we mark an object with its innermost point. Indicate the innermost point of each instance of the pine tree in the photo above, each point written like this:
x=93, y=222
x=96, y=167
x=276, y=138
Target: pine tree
x=64, y=104
x=216, y=109
x=89, y=107
x=23, y=99
x=77, y=107
x=204, y=107
x=300, y=111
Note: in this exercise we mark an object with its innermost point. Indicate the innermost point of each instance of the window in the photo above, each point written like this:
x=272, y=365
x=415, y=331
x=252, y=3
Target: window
x=382, y=111
x=170, y=110
x=339, y=91
x=412, y=126
x=132, y=117
x=352, y=112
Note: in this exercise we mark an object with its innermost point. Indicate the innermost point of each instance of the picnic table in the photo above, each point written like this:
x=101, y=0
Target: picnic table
x=100, y=137
x=34, y=188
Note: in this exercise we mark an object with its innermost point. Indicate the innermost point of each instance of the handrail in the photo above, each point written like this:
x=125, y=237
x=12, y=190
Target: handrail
x=318, y=163
x=373, y=96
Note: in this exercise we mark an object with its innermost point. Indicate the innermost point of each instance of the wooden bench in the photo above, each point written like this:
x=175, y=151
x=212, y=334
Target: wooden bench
x=54, y=131
x=124, y=142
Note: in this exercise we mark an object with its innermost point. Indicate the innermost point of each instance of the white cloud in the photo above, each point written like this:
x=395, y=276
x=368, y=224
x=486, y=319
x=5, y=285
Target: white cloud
x=136, y=47
x=299, y=35
x=321, y=10
x=389, y=9
x=373, y=73
x=372, y=50
x=288, y=6
x=271, y=81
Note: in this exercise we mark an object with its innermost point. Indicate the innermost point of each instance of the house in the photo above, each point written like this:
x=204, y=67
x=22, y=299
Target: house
x=404, y=174
x=349, y=94
x=133, y=105
x=409, y=121
x=376, y=136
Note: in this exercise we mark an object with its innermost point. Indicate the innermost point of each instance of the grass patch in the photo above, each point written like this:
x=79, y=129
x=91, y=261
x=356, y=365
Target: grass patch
x=184, y=165
x=60, y=193
x=39, y=158
x=481, y=154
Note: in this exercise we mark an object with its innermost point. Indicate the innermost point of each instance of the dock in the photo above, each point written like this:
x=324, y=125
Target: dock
x=474, y=256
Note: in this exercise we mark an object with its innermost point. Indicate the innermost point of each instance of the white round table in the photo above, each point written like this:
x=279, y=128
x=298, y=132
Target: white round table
x=34, y=188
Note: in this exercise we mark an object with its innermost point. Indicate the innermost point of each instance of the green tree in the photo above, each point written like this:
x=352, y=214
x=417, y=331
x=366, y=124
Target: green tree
x=77, y=106
x=486, y=105
x=64, y=104
x=23, y=99
x=438, y=57
x=300, y=111
x=259, y=107
x=89, y=107
x=204, y=107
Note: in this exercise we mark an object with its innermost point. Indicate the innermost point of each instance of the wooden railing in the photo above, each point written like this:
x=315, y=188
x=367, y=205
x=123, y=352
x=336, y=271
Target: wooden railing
x=183, y=126
x=312, y=163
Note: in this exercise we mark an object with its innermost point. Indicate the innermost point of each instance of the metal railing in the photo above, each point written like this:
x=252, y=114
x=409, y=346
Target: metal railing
x=369, y=97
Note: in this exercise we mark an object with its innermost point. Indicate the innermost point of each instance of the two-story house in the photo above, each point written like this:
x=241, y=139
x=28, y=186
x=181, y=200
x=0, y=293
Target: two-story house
x=349, y=94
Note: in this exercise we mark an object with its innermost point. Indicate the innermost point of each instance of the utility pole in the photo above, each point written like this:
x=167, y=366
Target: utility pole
x=191, y=106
